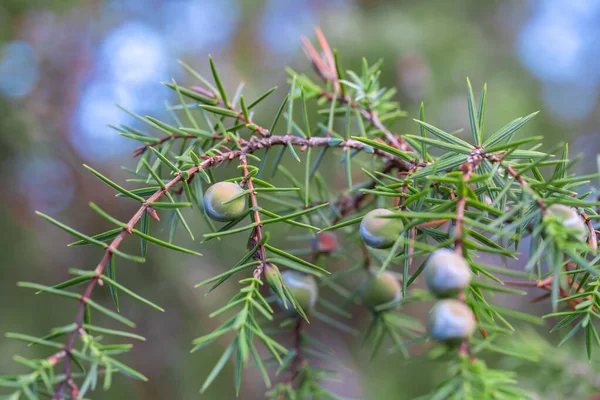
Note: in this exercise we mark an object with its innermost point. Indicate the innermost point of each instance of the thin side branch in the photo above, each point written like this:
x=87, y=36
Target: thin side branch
x=298, y=360
x=138, y=151
x=371, y=116
x=324, y=64
x=468, y=168
x=257, y=234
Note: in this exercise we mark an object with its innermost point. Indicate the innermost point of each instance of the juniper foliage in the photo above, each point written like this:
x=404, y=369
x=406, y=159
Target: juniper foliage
x=485, y=196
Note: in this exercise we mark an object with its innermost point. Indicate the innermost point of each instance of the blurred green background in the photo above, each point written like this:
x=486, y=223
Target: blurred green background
x=64, y=64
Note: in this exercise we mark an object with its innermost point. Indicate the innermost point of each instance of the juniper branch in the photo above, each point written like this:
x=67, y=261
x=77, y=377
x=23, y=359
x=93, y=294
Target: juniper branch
x=445, y=192
x=249, y=147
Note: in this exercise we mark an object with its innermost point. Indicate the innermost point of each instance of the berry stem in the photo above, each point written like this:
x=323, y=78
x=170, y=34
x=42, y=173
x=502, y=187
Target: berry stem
x=468, y=168
x=257, y=234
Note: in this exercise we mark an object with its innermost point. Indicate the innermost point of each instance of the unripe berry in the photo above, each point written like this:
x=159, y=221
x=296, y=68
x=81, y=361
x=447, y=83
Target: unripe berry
x=446, y=273
x=570, y=218
x=380, y=233
x=450, y=321
x=325, y=243
x=381, y=289
x=304, y=288
x=216, y=198
x=272, y=277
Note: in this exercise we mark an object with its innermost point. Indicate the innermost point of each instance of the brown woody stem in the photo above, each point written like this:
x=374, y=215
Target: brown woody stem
x=257, y=234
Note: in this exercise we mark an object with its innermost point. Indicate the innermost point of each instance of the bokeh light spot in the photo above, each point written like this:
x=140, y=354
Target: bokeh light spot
x=19, y=69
